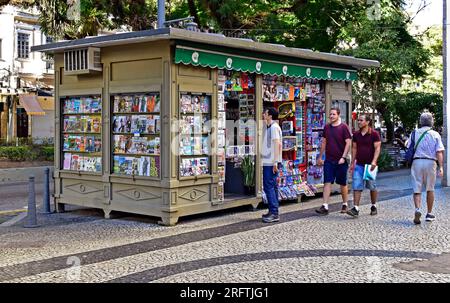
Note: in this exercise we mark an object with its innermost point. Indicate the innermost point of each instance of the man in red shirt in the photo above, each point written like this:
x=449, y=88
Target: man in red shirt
x=336, y=143
x=366, y=150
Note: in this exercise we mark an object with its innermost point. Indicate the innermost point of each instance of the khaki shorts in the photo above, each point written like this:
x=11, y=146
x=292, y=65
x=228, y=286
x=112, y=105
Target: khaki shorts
x=423, y=172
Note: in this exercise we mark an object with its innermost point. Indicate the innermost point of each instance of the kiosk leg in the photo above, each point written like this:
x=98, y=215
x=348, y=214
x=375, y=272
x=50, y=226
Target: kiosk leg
x=60, y=207
x=107, y=213
x=168, y=221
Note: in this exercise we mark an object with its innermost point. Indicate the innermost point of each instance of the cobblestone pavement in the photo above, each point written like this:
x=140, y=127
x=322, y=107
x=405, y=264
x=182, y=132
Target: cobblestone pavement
x=235, y=246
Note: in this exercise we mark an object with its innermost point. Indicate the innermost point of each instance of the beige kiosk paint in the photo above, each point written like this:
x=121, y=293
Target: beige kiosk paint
x=141, y=62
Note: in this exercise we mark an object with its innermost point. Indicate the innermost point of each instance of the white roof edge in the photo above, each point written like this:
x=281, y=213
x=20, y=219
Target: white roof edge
x=272, y=48
x=182, y=34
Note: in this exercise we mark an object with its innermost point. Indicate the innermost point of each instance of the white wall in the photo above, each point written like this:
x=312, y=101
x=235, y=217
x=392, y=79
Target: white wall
x=43, y=126
x=7, y=36
x=10, y=26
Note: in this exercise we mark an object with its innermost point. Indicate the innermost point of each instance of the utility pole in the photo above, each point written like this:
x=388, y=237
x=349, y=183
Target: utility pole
x=445, y=39
x=161, y=13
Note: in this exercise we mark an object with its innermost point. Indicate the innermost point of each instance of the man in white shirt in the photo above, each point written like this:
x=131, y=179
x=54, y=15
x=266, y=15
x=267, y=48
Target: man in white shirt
x=271, y=156
x=428, y=152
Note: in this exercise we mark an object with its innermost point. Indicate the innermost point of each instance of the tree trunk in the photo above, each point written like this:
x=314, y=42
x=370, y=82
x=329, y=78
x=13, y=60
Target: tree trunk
x=193, y=12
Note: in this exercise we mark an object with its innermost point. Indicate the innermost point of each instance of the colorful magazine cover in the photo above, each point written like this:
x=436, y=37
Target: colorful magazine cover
x=98, y=164
x=157, y=124
x=186, y=103
x=144, y=166
x=154, y=166
x=157, y=108
x=150, y=124
x=150, y=103
x=74, y=162
x=96, y=105
x=142, y=104
x=67, y=160
x=96, y=124
x=135, y=104
x=142, y=124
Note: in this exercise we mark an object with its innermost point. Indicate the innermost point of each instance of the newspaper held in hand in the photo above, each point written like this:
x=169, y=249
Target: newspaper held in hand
x=370, y=175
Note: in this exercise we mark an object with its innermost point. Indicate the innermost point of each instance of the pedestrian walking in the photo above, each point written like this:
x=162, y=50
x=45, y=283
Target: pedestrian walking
x=366, y=149
x=271, y=158
x=336, y=143
x=429, y=152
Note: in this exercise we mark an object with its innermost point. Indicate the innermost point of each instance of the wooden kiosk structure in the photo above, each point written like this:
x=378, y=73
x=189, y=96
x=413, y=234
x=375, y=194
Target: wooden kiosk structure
x=141, y=118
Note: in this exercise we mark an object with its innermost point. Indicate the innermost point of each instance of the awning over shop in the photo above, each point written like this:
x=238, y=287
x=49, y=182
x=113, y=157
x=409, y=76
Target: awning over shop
x=47, y=103
x=31, y=105
x=212, y=59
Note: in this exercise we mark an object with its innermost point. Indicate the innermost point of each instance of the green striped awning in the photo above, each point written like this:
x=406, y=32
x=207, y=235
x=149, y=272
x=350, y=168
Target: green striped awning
x=205, y=58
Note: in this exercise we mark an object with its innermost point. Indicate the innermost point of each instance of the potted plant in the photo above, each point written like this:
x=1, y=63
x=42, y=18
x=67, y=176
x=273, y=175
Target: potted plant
x=248, y=169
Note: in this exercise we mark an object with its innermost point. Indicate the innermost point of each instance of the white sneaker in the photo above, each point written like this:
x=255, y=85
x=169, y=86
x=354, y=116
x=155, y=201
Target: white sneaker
x=429, y=218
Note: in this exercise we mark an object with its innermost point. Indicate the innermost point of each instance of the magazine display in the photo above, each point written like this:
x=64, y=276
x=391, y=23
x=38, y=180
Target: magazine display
x=194, y=166
x=82, y=162
x=138, y=166
x=301, y=106
x=194, y=128
x=81, y=133
x=136, y=128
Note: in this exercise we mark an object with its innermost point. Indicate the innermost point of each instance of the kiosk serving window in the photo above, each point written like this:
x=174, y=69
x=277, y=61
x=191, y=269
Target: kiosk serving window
x=195, y=116
x=136, y=131
x=81, y=135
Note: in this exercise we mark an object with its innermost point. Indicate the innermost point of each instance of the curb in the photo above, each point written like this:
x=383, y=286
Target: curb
x=10, y=212
x=14, y=220
x=20, y=174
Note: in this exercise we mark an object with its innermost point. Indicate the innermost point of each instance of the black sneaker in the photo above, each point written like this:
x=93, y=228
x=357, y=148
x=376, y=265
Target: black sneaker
x=353, y=212
x=373, y=210
x=417, y=216
x=266, y=215
x=344, y=209
x=322, y=211
x=430, y=217
x=271, y=218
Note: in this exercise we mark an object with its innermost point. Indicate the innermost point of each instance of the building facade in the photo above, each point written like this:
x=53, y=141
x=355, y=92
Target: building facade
x=26, y=78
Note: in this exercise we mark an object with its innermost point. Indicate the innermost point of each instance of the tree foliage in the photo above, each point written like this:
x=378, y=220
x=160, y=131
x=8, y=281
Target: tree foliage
x=348, y=27
x=407, y=107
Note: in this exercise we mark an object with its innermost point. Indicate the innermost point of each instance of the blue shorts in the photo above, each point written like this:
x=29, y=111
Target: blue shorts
x=335, y=172
x=359, y=182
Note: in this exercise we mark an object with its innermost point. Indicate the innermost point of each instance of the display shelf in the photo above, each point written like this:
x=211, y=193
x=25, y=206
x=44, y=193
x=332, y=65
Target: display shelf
x=93, y=154
x=194, y=134
x=140, y=134
x=135, y=134
x=81, y=129
x=130, y=154
x=80, y=133
x=134, y=113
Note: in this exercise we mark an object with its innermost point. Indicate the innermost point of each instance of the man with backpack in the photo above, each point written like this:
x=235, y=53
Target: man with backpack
x=428, y=151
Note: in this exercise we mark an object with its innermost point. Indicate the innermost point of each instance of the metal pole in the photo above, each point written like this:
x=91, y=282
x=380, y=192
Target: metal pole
x=46, y=202
x=161, y=13
x=31, y=213
x=445, y=39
